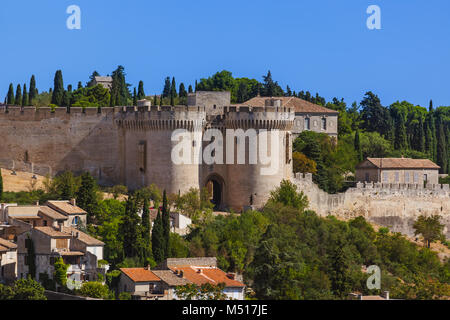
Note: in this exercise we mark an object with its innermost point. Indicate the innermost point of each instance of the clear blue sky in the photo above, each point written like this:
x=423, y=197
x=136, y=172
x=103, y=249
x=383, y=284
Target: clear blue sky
x=320, y=45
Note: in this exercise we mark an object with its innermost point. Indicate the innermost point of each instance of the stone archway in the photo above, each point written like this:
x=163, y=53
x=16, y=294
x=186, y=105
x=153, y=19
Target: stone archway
x=216, y=186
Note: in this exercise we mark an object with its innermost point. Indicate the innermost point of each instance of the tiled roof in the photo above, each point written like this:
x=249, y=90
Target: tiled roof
x=23, y=211
x=49, y=212
x=52, y=232
x=3, y=249
x=71, y=253
x=201, y=275
x=402, y=163
x=170, y=278
x=7, y=244
x=65, y=207
x=140, y=274
x=103, y=79
x=299, y=105
x=83, y=237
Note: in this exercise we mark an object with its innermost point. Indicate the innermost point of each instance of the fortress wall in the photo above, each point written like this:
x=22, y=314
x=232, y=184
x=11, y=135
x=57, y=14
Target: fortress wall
x=60, y=141
x=390, y=205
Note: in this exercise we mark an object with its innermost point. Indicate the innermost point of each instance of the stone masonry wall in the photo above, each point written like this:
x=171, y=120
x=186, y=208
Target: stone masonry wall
x=396, y=206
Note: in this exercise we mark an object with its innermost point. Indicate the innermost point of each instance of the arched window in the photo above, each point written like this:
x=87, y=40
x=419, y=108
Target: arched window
x=324, y=123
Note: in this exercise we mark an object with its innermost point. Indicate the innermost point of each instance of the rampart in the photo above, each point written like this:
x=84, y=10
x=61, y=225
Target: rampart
x=396, y=206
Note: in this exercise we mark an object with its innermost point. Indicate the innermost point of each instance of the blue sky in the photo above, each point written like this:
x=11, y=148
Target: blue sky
x=323, y=45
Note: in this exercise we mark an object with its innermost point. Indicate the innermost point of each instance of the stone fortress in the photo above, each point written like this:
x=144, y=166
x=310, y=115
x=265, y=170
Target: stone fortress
x=133, y=145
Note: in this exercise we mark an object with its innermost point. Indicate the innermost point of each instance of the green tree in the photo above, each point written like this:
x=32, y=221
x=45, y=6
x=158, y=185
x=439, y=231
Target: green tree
x=120, y=93
x=33, y=91
x=167, y=88
x=134, y=97
x=28, y=289
x=141, y=93
x=130, y=230
x=358, y=148
x=94, y=290
x=166, y=225
x=25, y=96
x=58, y=89
x=10, y=96
x=158, y=244
x=270, y=87
x=65, y=185
x=18, y=98
x=87, y=195
x=146, y=226
x=400, y=142
x=91, y=81
x=182, y=91
x=442, y=147
x=60, y=273
x=430, y=228
x=287, y=195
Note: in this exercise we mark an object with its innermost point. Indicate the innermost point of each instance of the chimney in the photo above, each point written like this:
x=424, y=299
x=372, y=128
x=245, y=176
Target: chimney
x=78, y=235
x=73, y=202
x=37, y=203
x=147, y=267
x=231, y=276
x=181, y=274
x=199, y=271
x=385, y=295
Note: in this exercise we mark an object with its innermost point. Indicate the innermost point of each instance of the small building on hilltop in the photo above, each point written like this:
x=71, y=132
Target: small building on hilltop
x=106, y=82
x=398, y=170
x=308, y=116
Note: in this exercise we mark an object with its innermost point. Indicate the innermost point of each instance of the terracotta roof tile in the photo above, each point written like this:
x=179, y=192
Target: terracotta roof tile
x=49, y=212
x=140, y=274
x=65, y=207
x=201, y=275
x=402, y=163
x=52, y=232
x=169, y=277
x=7, y=244
x=83, y=237
x=3, y=249
x=299, y=105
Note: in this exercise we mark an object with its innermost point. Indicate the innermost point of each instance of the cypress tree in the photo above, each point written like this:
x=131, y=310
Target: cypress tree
x=58, y=89
x=442, y=152
x=430, y=108
x=400, y=142
x=190, y=89
x=421, y=136
x=10, y=96
x=80, y=85
x=167, y=87
x=130, y=230
x=161, y=101
x=158, y=239
x=173, y=88
x=141, y=93
x=182, y=90
x=166, y=224
x=18, y=98
x=33, y=92
x=24, y=96
x=87, y=195
x=358, y=147
x=155, y=100
x=134, y=97
x=196, y=85
x=172, y=101
x=146, y=228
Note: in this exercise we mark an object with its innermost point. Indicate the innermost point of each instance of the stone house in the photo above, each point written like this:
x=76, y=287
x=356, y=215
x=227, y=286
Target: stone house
x=308, y=116
x=146, y=284
x=75, y=215
x=398, y=171
x=79, y=250
x=106, y=82
x=8, y=261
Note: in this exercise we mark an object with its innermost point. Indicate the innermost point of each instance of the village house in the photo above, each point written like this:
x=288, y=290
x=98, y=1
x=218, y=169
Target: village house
x=398, y=170
x=160, y=283
x=308, y=116
x=106, y=82
x=77, y=249
x=8, y=261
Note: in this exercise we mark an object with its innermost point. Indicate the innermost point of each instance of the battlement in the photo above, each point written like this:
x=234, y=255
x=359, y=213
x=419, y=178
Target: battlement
x=271, y=118
x=305, y=177
x=400, y=188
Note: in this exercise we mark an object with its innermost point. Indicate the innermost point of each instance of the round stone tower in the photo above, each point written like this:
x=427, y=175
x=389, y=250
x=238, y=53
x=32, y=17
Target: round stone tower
x=268, y=155
x=148, y=139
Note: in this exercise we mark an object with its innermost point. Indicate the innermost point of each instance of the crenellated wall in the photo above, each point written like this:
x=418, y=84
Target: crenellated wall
x=396, y=206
